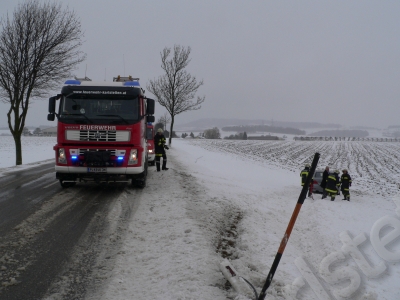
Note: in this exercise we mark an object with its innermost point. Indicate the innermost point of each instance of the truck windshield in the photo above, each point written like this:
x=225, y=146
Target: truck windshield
x=74, y=110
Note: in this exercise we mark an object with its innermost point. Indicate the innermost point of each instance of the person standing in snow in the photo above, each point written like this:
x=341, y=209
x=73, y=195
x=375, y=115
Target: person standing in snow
x=159, y=145
x=346, y=184
x=323, y=181
x=303, y=175
x=332, y=183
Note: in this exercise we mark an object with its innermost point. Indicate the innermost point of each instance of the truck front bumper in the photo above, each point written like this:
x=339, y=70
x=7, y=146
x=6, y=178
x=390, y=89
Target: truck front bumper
x=113, y=170
x=82, y=174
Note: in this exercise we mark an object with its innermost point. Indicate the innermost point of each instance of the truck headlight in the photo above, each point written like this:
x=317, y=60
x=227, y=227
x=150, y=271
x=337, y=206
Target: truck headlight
x=61, y=156
x=150, y=150
x=133, y=158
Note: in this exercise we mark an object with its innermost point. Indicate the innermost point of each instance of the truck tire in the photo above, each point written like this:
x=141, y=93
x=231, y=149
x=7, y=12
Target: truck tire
x=140, y=182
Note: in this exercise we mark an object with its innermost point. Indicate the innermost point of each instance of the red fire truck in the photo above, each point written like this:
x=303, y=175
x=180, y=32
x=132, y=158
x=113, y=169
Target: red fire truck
x=101, y=133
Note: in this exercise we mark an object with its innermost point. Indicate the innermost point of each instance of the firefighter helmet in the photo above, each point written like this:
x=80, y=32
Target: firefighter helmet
x=308, y=165
x=160, y=130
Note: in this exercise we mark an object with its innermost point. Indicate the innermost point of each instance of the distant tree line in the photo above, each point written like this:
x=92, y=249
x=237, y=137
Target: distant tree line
x=263, y=137
x=36, y=132
x=237, y=136
x=342, y=133
x=264, y=128
x=184, y=135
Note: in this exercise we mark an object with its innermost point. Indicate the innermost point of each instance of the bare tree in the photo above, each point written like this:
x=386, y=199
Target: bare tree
x=212, y=133
x=176, y=89
x=158, y=125
x=38, y=48
x=165, y=119
x=37, y=131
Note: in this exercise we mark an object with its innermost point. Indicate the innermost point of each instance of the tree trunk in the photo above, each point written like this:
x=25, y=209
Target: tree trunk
x=18, y=148
x=170, y=132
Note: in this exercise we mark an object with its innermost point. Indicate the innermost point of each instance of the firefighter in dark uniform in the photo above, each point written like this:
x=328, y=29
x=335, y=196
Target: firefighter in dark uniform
x=346, y=184
x=303, y=175
x=332, y=183
x=159, y=145
x=323, y=181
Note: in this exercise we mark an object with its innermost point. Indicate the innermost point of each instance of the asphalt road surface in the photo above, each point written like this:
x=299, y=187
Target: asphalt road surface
x=55, y=242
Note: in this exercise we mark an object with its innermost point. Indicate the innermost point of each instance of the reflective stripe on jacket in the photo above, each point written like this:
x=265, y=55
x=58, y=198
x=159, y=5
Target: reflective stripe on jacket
x=346, y=180
x=303, y=175
x=159, y=143
x=332, y=182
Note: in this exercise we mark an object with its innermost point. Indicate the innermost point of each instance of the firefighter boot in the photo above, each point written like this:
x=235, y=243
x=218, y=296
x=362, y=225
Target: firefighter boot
x=164, y=165
x=158, y=163
x=348, y=198
x=332, y=198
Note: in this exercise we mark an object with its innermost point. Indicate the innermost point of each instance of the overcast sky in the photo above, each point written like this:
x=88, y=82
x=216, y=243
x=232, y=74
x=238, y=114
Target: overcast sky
x=322, y=61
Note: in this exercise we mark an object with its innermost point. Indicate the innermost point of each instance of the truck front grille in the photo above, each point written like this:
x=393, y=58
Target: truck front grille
x=82, y=151
x=98, y=135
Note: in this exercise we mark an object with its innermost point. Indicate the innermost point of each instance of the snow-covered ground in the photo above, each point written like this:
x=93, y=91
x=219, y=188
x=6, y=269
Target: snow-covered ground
x=234, y=199
x=34, y=150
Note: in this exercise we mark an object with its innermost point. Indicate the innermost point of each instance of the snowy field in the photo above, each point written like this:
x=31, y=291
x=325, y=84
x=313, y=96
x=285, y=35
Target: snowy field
x=34, y=149
x=234, y=199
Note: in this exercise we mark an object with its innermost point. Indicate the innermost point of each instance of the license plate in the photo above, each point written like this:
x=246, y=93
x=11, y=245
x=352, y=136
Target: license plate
x=97, y=170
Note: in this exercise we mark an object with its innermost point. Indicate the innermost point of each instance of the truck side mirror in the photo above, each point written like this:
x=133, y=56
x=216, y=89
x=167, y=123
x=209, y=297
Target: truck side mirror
x=52, y=105
x=150, y=107
x=151, y=119
x=50, y=117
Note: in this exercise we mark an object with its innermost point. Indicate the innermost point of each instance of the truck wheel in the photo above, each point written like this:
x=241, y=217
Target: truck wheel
x=141, y=181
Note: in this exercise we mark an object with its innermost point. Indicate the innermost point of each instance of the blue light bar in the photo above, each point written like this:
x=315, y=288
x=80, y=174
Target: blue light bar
x=132, y=83
x=74, y=157
x=72, y=81
x=120, y=157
